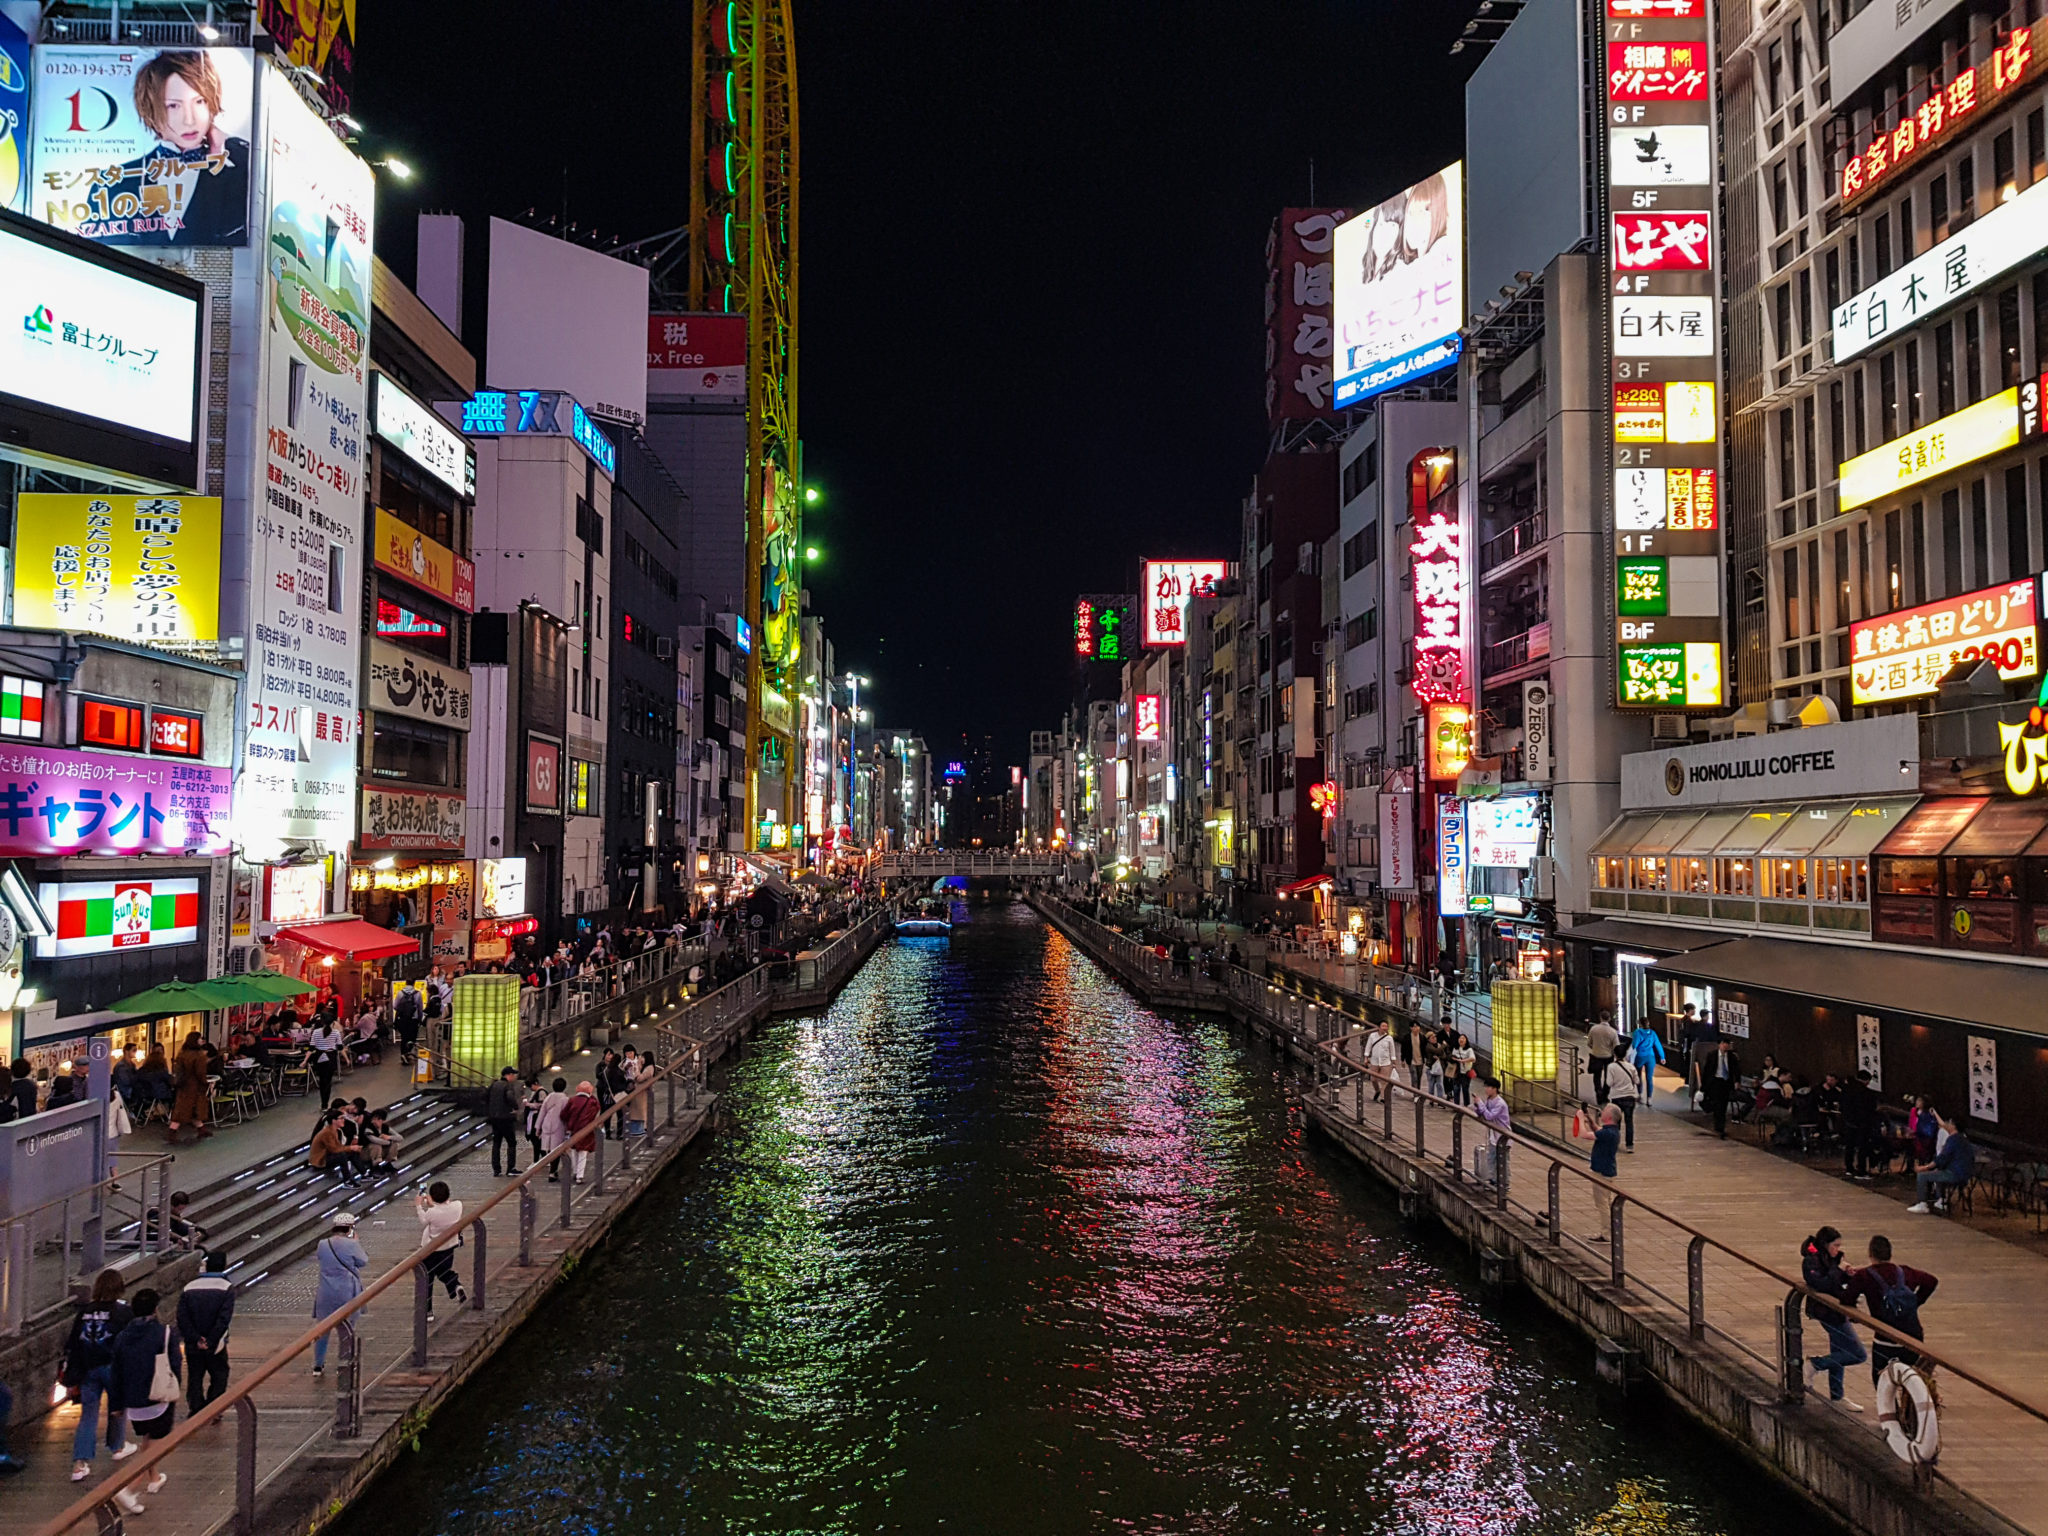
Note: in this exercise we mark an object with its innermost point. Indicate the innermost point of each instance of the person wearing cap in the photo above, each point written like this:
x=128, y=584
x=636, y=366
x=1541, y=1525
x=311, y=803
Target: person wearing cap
x=578, y=1116
x=501, y=1109
x=342, y=1262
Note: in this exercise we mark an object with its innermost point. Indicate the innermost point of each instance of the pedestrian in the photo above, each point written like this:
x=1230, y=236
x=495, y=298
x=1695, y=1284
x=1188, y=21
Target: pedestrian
x=147, y=1367
x=206, y=1309
x=380, y=1142
x=1434, y=1049
x=1463, y=1064
x=1723, y=1070
x=1820, y=1263
x=183, y=1232
x=1621, y=1096
x=342, y=1262
x=1894, y=1293
x=612, y=1084
x=89, y=1367
x=579, y=1115
x=1493, y=1109
x=22, y=1094
x=325, y=1043
x=1699, y=1037
x=1646, y=1055
x=530, y=1112
x=1950, y=1168
x=1860, y=1143
x=441, y=1226
x=501, y=1109
x=1602, y=1045
x=330, y=1150
x=1382, y=1053
x=406, y=1018
x=195, y=1088
x=1606, y=1141
x=552, y=1133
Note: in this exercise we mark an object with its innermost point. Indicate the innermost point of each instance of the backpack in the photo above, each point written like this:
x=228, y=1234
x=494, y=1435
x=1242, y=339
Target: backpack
x=1899, y=1304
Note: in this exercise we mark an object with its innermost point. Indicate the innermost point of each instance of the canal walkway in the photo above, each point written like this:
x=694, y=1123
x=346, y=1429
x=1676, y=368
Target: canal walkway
x=298, y=1448
x=1749, y=1211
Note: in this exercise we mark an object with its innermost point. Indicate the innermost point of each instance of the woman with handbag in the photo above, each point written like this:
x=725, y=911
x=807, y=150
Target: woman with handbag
x=146, y=1370
x=89, y=1368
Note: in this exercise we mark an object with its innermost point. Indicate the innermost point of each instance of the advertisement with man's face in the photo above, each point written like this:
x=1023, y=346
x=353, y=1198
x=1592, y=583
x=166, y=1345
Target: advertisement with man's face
x=141, y=146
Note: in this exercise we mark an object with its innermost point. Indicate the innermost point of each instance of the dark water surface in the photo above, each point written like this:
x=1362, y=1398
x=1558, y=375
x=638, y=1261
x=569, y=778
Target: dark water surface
x=990, y=1247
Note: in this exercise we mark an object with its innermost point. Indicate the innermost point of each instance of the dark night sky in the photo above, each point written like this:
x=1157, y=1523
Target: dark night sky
x=1032, y=267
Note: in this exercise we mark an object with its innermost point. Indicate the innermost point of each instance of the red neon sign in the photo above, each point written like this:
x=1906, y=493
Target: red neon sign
x=1661, y=242
x=1149, y=712
x=1948, y=110
x=1657, y=71
x=1438, y=556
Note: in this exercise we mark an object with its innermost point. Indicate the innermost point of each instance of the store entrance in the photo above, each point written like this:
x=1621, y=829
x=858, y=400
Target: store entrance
x=1658, y=1001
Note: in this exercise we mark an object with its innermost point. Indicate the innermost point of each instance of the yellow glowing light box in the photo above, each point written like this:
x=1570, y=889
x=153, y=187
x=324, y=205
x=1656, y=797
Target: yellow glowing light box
x=136, y=567
x=483, y=1027
x=1975, y=432
x=1525, y=1030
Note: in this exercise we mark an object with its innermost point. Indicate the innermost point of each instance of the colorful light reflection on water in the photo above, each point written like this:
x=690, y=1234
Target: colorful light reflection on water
x=989, y=1247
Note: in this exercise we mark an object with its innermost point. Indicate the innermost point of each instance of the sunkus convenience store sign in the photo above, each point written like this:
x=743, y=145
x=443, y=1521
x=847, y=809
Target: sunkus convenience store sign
x=1821, y=762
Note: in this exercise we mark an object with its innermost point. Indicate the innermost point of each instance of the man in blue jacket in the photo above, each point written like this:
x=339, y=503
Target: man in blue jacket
x=1952, y=1168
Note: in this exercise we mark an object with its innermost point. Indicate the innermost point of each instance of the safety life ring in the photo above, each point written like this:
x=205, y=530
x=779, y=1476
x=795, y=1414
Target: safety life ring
x=1906, y=1411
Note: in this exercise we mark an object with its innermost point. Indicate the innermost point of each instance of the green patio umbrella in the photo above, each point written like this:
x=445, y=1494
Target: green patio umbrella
x=258, y=987
x=176, y=997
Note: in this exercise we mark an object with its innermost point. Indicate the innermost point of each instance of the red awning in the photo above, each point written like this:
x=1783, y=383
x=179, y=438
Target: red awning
x=352, y=939
x=1295, y=888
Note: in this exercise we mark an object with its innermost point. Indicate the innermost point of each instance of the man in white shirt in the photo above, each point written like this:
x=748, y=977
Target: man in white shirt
x=1382, y=1055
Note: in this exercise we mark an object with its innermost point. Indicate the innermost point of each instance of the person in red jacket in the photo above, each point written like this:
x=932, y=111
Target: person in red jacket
x=1895, y=1294
x=578, y=1116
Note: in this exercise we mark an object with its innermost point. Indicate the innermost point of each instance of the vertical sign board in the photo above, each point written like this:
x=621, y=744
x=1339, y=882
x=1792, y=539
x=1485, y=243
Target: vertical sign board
x=306, y=536
x=1300, y=336
x=1454, y=855
x=1662, y=246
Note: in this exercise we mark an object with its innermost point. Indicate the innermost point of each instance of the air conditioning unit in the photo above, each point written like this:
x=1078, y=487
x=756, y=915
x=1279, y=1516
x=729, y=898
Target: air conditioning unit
x=1665, y=728
x=244, y=958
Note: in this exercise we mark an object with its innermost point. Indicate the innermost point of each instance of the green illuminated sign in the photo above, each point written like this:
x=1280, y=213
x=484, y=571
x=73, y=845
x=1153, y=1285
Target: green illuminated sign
x=1653, y=674
x=1640, y=587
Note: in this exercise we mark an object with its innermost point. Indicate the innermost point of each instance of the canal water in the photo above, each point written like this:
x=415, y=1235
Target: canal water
x=989, y=1247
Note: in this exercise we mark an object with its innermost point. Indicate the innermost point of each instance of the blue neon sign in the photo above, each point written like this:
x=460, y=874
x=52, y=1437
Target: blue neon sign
x=505, y=413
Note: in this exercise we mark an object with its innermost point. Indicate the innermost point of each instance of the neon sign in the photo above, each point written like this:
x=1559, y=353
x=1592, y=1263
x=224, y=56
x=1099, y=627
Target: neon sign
x=1905, y=655
x=1949, y=109
x=1148, y=716
x=1170, y=585
x=1438, y=554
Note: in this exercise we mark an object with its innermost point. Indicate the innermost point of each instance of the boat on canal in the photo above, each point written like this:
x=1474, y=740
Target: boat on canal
x=929, y=919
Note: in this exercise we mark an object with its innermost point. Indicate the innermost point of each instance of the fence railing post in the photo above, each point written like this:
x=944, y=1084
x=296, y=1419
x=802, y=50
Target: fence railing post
x=1696, y=1287
x=1457, y=1147
x=1617, y=1263
x=1555, y=1216
x=1387, y=1109
x=1791, y=1350
x=1501, y=1163
x=482, y=1241
x=565, y=1170
x=422, y=1302
x=245, y=1467
x=1421, y=1123
x=348, y=1381
x=529, y=1216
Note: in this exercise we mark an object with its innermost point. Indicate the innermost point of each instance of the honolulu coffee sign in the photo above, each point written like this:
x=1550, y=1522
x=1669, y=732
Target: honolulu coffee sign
x=1818, y=762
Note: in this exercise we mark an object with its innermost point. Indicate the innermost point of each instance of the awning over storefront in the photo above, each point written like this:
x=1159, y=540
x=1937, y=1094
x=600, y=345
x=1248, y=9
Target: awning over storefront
x=1848, y=829
x=1967, y=991
x=352, y=939
x=1658, y=938
x=1300, y=887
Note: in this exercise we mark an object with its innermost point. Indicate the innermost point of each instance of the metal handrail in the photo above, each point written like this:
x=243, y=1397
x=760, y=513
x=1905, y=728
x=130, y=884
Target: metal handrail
x=88, y=1232
x=239, y=1397
x=1252, y=997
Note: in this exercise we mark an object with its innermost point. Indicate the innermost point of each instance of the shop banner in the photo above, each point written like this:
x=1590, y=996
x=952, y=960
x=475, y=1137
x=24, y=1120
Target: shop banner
x=1870, y=1049
x=97, y=917
x=135, y=146
x=697, y=356
x=1397, y=840
x=410, y=555
x=143, y=568
x=412, y=819
x=305, y=567
x=55, y=803
x=1984, y=1078
x=406, y=683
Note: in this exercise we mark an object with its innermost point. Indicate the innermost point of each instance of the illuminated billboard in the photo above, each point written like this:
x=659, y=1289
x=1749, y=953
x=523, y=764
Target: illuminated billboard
x=140, y=146
x=1905, y=655
x=99, y=360
x=2007, y=236
x=697, y=356
x=1947, y=110
x=422, y=436
x=143, y=568
x=14, y=68
x=1170, y=585
x=1102, y=627
x=1399, y=295
x=1975, y=432
x=1299, y=339
x=1439, y=573
x=1149, y=709
x=98, y=917
x=1662, y=246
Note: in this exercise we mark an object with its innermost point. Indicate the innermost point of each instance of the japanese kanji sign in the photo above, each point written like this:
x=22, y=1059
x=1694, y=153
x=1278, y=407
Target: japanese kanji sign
x=1664, y=353
x=1170, y=585
x=697, y=356
x=141, y=568
x=1975, y=432
x=403, y=682
x=1149, y=713
x=1946, y=109
x=1441, y=580
x=55, y=803
x=411, y=819
x=305, y=573
x=1904, y=655
x=2009, y=235
x=1299, y=335
x=1104, y=628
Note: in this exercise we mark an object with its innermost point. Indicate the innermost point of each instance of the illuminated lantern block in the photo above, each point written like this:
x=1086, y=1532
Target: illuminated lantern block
x=1525, y=1030
x=483, y=1028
